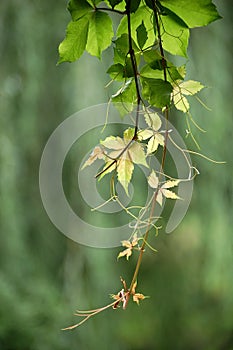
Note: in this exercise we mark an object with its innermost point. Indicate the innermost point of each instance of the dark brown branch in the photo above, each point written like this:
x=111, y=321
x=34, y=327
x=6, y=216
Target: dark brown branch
x=135, y=68
x=110, y=10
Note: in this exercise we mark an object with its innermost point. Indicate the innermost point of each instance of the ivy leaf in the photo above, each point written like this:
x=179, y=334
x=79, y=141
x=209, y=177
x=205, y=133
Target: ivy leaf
x=133, y=5
x=124, y=173
x=97, y=153
x=194, y=13
x=180, y=101
x=143, y=14
x=137, y=297
x=148, y=72
x=141, y=35
x=121, y=49
x=134, y=154
x=127, y=97
x=113, y=3
x=153, y=58
x=190, y=87
x=78, y=8
x=153, y=181
x=154, y=142
x=100, y=33
x=129, y=245
x=74, y=44
x=156, y=91
x=175, y=35
x=116, y=72
x=153, y=121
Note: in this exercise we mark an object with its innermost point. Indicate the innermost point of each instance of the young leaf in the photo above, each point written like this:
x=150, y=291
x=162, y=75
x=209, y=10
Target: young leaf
x=180, y=101
x=153, y=181
x=74, y=44
x=125, y=155
x=100, y=33
x=154, y=142
x=124, y=173
x=97, y=153
x=190, y=87
x=153, y=121
x=156, y=91
x=194, y=13
x=141, y=35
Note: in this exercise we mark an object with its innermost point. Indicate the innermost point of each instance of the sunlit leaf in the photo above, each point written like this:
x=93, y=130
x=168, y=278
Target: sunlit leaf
x=169, y=194
x=156, y=140
x=181, y=103
x=170, y=183
x=78, y=8
x=137, y=154
x=100, y=33
x=143, y=14
x=190, y=87
x=74, y=44
x=124, y=173
x=175, y=35
x=194, y=13
x=113, y=142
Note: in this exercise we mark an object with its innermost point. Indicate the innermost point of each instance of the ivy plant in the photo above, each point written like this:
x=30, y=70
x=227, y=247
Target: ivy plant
x=149, y=35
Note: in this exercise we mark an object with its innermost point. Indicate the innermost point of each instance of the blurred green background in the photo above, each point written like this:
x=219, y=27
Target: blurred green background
x=44, y=276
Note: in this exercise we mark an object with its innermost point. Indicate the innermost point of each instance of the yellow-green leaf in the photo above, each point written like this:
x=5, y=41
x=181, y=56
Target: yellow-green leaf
x=190, y=87
x=153, y=120
x=124, y=172
x=137, y=154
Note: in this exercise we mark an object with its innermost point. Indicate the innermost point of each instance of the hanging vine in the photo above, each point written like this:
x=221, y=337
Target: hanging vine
x=148, y=33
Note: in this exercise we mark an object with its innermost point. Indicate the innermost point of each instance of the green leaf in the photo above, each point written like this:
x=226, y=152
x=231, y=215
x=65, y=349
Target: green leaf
x=148, y=72
x=134, y=4
x=156, y=91
x=100, y=33
x=116, y=72
x=175, y=35
x=195, y=13
x=78, y=8
x=153, y=58
x=141, y=35
x=143, y=14
x=121, y=50
x=113, y=3
x=74, y=44
x=127, y=97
